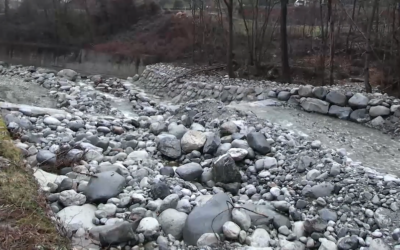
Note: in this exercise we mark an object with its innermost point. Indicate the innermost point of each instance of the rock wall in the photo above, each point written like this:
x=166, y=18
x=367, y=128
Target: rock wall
x=344, y=102
x=82, y=60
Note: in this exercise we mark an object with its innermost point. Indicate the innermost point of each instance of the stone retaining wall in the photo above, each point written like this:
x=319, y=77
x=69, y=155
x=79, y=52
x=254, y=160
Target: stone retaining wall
x=377, y=110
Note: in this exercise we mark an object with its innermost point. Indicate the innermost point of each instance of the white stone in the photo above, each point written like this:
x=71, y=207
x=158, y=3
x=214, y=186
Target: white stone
x=71, y=198
x=51, y=121
x=148, y=224
x=237, y=154
x=74, y=217
x=231, y=230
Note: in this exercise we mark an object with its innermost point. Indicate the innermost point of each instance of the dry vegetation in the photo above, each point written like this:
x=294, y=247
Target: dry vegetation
x=24, y=220
x=316, y=51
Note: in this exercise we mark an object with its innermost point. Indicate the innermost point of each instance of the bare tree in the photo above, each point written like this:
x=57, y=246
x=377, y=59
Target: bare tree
x=368, y=49
x=284, y=43
x=6, y=8
x=332, y=45
x=229, y=6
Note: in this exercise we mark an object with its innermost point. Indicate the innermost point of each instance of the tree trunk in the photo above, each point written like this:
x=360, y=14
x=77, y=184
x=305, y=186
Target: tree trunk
x=6, y=9
x=368, y=49
x=229, y=6
x=284, y=44
x=332, y=46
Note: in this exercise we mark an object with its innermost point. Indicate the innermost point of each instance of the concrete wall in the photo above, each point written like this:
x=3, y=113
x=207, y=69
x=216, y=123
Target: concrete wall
x=82, y=60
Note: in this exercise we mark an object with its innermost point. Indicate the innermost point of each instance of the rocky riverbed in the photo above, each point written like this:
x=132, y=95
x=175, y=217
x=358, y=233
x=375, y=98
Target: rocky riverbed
x=122, y=168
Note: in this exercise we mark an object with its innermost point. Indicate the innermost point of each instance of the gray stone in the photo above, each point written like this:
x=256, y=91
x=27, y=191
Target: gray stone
x=379, y=244
x=260, y=238
x=170, y=147
x=71, y=198
x=160, y=190
x=190, y=171
x=104, y=186
x=382, y=217
x=118, y=233
x=305, y=91
x=225, y=170
x=173, y=222
x=322, y=190
x=258, y=142
x=284, y=96
x=213, y=141
x=336, y=98
x=199, y=220
x=231, y=230
x=241, y=218
x=46, y=157
x=379, y=111
x=228, y=128
x=138, y=155
x=177, y=130
x=68, y=74
x=320, y=92
x=359, y=115
x=378, y=121
x=208, y=239
x=358, y=101
x=315, y=105
x=340, y=112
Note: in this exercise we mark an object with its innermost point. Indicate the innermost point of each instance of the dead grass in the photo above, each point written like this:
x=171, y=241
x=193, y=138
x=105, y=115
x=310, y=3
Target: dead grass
x=24, y=222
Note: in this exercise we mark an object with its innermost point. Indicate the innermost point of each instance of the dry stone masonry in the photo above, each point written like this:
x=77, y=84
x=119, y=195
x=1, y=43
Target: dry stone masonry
x=197, y=174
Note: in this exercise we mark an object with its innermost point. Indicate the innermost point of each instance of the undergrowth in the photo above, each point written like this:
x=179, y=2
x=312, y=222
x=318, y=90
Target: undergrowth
x=24, y=223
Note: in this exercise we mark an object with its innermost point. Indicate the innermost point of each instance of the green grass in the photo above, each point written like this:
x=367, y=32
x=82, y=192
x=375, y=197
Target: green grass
x=24, y=223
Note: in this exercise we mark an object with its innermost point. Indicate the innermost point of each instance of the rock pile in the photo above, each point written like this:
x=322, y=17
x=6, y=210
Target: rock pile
x=200, y=175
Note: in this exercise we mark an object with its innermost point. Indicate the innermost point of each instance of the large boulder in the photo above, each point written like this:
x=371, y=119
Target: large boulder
x=104, y=186
x=225, y=170
x=336, y=98
x=170, y=147
x=358, y=101
x=193, y=140
x=201, y=218
x=258, y=142
x=315, y=105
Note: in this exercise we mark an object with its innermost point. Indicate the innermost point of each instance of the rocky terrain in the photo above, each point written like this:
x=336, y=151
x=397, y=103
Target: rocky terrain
x=143, y=173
